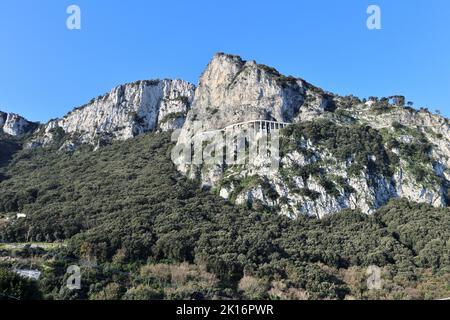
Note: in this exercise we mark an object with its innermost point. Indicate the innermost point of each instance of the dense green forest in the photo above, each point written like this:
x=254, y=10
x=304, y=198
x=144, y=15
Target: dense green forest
x=140, y=230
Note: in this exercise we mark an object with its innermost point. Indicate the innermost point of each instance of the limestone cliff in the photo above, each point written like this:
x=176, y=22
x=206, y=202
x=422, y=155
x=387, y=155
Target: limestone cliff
x=128, y=110
x=15, y=125
x=333, y=152
x=231, y=91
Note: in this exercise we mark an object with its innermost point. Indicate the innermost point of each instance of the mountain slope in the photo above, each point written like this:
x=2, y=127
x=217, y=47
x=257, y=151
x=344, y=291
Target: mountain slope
x=356, y=153
x=99, y=189
x=14, y=125
x=125, y=206
x=336, y=153
x=128, y=110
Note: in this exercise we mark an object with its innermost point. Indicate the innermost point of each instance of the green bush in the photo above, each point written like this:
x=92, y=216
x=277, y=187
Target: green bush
x=14, y=287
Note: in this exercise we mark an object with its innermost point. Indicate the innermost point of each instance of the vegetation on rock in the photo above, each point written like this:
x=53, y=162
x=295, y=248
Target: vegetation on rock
x=149, y=233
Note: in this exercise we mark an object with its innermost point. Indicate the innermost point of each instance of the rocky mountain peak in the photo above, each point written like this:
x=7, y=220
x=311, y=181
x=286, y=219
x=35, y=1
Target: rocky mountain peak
x=234, y=90
x=15, y=125
x=128, y=110
x=335, y=152
x=316, y=177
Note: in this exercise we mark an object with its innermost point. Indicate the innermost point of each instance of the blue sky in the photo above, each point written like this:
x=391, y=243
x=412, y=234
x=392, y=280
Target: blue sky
x=46, y=69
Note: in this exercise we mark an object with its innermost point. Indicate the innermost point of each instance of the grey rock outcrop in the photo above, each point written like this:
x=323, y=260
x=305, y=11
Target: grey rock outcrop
x=15, y=125
x=231, y=91
x=313, y=178
x=128, y=110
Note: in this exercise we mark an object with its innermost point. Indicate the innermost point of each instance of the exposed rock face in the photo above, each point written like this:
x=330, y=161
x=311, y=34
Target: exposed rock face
x=383, y=150
x=14, y=124
x=232, y=91
x=128, y=110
